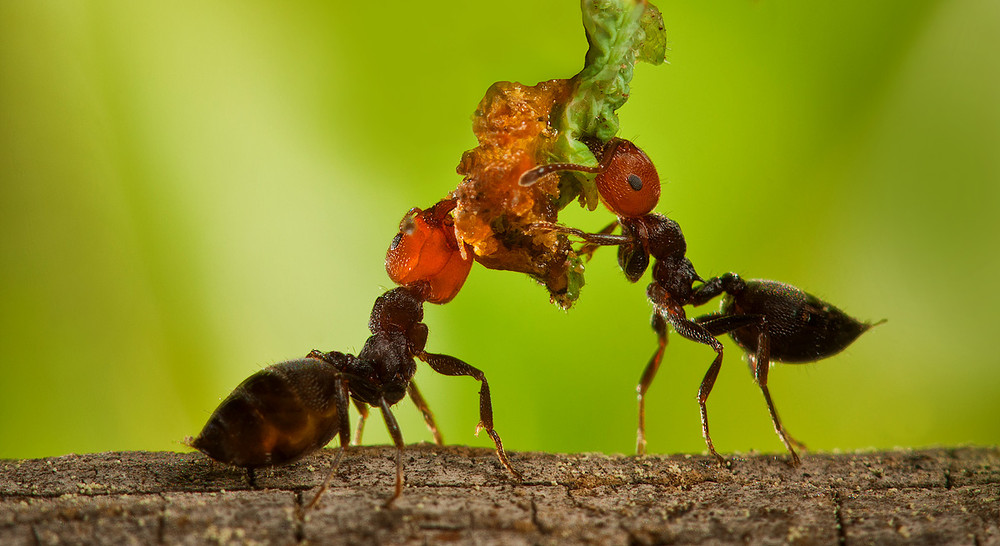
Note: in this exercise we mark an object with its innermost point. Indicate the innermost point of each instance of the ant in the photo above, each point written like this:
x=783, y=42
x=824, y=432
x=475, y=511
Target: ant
x=289, y=410
x=771, y=321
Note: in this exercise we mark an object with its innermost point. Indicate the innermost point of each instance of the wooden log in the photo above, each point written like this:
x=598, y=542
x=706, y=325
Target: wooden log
x=460, y=495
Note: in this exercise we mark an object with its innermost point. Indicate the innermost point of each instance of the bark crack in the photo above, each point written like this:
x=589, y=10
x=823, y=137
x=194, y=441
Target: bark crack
x=300, y=526
x=838, y=509
x=161, y=521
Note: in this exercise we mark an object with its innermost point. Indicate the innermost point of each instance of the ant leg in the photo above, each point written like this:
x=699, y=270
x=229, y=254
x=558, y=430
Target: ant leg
x=361, y=406
x=730, y=283
x=425, y=410
x=695, y=332
x=760, y=363
x=397, y=438
x=341, y=395
x=588, y=249
x=660, y=327
x=363, y=417
x=449, y=365
x=718, y=324
x=592, y=239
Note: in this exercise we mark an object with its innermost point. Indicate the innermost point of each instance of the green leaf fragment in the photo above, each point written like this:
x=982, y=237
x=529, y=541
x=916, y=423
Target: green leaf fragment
x=619, y=32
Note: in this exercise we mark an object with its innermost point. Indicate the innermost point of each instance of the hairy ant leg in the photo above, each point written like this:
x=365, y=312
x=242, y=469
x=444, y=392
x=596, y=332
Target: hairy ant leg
x=588, y=249
x=660, y=327
x=691, y=330
x=397, y=439
x=425, y=410
x=449, y=365
x=362, y=418
x=591, y=241
x=673, y=313
x=729, y=283
x=716, y=326
x=341, y=398
x=595, y=239
x=759, y=362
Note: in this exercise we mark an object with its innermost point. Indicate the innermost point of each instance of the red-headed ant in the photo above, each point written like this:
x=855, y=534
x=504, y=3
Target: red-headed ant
x=289, y=410
x=771, y=321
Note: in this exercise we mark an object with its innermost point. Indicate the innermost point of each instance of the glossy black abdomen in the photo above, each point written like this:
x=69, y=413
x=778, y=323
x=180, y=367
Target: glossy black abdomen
x=800, y=326
x=276, y=416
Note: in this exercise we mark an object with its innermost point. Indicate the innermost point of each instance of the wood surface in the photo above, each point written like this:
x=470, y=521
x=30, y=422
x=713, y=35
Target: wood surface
x=458, y=495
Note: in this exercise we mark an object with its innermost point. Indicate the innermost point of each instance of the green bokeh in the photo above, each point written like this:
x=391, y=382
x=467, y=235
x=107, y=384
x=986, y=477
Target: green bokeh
x=191, y=191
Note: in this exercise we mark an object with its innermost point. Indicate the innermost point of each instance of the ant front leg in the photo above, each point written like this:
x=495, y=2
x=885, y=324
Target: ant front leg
x=449, y=365
x=673, y=313
x=760, y=363
x=730, y=283
x=660, y=327
x=603, y=238
x=425, y=410
x=588, y=249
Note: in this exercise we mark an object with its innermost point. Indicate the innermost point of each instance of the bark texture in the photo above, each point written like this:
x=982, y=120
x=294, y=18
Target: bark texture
x=462, y=495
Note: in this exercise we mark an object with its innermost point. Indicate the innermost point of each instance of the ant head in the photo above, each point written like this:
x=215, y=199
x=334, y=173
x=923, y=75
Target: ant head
x=626, y=179
x=628, y=183
x=426, y=253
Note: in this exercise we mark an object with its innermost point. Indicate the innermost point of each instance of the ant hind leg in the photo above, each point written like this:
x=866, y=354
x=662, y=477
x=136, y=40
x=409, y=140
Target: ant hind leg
x=760, y=363
x=660, y=327
x=425, y=410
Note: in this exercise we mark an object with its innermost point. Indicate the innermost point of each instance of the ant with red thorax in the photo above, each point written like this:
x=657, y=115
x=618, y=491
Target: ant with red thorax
x=771, y=321
x=289, y=410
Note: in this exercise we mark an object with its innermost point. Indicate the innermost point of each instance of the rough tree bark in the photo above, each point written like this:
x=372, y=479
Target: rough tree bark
x=458, y=494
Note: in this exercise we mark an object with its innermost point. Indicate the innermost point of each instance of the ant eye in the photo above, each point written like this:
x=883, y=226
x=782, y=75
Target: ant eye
x=635, y=182
x=395, y=241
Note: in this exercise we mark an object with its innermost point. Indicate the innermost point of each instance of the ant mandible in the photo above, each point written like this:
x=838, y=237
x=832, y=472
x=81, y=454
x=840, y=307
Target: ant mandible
x=771, y=321
x=289, y=410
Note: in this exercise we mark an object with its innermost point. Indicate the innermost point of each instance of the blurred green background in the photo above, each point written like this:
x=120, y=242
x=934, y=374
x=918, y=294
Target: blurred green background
x=191, y=191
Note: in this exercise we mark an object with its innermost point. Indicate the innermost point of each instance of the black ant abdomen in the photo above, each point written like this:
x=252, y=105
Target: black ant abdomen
x=800, y=327
x=276, y=416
